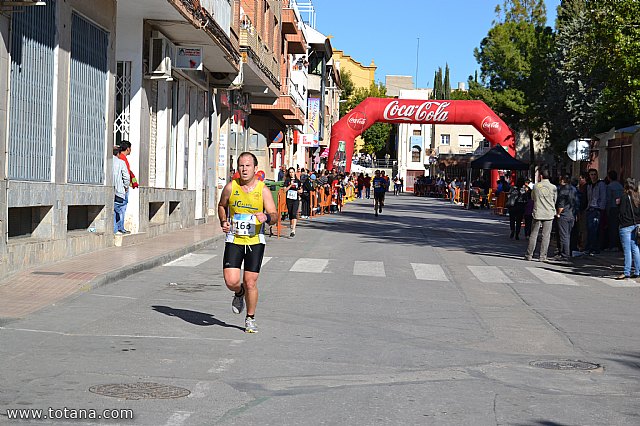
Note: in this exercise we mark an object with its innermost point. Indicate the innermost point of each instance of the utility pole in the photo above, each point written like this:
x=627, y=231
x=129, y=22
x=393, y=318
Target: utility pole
x=417, y=62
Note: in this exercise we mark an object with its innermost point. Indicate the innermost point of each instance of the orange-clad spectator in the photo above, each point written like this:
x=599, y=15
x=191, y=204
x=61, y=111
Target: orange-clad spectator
x=125, y=150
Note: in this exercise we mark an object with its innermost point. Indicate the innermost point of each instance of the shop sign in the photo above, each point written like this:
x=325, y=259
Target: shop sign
x=189, y=58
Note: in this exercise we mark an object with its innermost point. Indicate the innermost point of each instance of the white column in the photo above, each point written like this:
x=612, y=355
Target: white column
x=129, y=48
x=163, y=132
x=182, y=131
x=199, y=163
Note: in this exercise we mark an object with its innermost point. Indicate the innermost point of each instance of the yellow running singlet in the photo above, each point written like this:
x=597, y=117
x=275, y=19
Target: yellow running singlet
x=243, y=206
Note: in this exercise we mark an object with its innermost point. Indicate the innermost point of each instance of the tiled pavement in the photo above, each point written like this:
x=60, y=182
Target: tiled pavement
x=35, y=288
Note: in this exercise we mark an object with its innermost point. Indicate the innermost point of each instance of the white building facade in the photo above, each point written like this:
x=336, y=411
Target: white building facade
x=423, y=149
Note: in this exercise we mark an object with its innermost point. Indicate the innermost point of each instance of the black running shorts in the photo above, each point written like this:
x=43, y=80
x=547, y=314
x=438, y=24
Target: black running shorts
x=235, y=254
x=379, y=196
x=292, y=208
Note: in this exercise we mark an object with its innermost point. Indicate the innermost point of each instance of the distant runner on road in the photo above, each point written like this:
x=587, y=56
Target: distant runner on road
x=379, y=188
x=242, y=214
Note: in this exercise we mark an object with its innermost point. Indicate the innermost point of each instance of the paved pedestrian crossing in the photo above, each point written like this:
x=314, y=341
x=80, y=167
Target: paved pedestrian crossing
x=419, y=271
x=191, y=259
x=429, y=272
x=368, y=268
x=444, y=273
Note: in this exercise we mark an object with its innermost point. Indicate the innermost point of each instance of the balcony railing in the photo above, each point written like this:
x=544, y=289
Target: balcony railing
x=221, y=12
x=296, y=95
x=267, y=61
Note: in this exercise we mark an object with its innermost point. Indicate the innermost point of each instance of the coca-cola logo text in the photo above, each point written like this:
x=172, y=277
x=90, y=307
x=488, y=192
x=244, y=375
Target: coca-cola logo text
x=490, y=126
x=430, y=111
x=357, y=120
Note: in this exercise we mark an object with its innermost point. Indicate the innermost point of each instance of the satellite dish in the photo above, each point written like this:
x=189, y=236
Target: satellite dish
x=579, y=149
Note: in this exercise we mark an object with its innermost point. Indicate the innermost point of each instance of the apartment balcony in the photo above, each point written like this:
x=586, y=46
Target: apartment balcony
x=289, y=108
x=289, y=21
x=221, y=12
x=260, y=68
x=285, y=109
x=296, y=43
x=186, y=22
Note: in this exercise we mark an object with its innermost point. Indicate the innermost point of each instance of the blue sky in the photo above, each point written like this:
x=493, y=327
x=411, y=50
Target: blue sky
x=388, y=32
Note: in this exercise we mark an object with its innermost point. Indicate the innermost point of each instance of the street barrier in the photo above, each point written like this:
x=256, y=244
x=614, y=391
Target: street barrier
x=499, y=207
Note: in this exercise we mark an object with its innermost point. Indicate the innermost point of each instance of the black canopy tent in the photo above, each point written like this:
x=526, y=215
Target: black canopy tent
x=496, y=158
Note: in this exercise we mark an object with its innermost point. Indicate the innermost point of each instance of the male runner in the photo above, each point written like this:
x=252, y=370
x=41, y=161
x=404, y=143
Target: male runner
x=379, y=188
x=242, y=214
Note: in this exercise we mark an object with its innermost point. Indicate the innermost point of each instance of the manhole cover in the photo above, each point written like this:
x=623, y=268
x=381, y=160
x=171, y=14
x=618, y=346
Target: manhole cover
x=565, y=364
x=140, y=390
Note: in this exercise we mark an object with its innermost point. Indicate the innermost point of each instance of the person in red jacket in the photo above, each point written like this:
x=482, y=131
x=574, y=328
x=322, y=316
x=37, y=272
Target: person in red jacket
x=125, y=150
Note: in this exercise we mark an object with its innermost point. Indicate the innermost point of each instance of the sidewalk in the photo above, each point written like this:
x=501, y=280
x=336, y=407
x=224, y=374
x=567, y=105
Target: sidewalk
x=38, y=287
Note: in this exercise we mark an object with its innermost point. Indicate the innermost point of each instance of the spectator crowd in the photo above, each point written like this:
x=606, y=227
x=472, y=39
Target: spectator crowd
x=577, y=216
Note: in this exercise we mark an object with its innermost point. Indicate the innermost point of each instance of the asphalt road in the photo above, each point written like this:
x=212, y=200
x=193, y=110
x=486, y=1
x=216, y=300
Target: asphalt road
x=425, y=315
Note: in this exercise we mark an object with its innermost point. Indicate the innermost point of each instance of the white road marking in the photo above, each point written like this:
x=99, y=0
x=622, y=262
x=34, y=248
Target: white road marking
x=368, y=268
x=223, y=364
x=113, y=296
x=552, y=277
x=265, y=260
x=191, y=260
x=131, y=336
x=430, y=272
x=200, y=390
x=178, y=418
x=315, y=266
x=489, y=274
x=617, y=283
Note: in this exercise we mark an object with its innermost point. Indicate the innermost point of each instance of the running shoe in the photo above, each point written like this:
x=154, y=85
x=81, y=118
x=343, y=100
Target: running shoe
x=237, y=304
x=380, y=209
x=292, y=234
x=376, y=213
x=250, y=325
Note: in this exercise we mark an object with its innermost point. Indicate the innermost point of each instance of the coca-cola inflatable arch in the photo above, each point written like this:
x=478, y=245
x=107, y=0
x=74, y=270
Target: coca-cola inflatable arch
x=407, y=111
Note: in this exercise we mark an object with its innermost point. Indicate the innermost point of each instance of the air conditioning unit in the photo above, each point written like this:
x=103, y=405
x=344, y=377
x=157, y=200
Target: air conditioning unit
x=161, y=56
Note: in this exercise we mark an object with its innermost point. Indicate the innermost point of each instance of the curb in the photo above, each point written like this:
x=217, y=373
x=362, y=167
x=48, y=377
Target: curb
x=147, y=264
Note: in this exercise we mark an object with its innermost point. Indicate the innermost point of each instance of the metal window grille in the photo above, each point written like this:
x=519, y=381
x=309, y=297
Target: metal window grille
x=33, y=41
x=122, y=122
x=87, y=102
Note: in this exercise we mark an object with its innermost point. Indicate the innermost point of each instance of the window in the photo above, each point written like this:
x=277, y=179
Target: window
x=415, y=153
x=417, y=133
x=122, y=122
x=86, y=125
x=315, y=63
x=465, y=141
x=445, y=139
x=33, y=40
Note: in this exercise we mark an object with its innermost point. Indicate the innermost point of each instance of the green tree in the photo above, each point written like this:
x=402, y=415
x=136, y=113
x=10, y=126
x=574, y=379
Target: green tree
x=376, y=136
x=575, y=79
x=446, y=93
x=616, y=31
x=438, y=85
x=511, y=58
x=597, y=52
x=347, y=90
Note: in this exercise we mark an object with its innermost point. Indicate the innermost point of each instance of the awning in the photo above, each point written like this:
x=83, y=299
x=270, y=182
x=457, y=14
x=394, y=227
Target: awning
x=325, y=153
x=498, y=158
